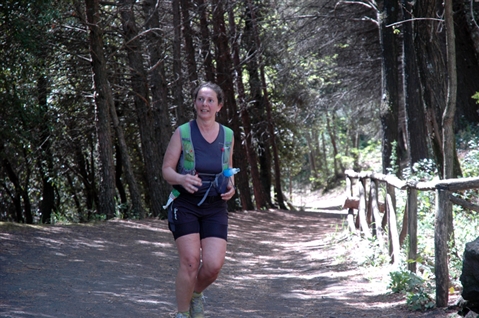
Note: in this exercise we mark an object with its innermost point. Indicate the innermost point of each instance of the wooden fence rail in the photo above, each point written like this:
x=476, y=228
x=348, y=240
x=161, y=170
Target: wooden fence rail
x=369, y=215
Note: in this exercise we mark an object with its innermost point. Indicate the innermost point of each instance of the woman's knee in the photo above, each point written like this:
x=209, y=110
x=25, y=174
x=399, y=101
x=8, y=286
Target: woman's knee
x=212, y=268
x=190, y=263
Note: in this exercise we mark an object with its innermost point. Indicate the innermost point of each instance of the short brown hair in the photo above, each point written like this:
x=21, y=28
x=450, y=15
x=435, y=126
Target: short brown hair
x=215, y=87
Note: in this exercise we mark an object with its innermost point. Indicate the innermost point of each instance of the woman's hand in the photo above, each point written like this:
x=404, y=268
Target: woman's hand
x=191, y=183
x=230, y=193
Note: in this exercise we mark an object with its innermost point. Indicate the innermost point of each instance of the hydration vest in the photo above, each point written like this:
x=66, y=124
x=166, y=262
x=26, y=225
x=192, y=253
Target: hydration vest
x=186, y=165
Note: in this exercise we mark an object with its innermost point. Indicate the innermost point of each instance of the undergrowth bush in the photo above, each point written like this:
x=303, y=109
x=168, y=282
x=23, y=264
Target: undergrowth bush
x=416, y=289
x=404, y=281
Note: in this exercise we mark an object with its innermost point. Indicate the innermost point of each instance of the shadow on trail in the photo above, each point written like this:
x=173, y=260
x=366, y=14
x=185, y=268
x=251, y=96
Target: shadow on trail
x=278, y=264
x=104, y=270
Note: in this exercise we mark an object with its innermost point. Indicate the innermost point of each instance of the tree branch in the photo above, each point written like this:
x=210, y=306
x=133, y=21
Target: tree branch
x=409, y=20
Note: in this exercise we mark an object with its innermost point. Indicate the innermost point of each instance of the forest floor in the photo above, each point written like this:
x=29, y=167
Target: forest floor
x=278, y=264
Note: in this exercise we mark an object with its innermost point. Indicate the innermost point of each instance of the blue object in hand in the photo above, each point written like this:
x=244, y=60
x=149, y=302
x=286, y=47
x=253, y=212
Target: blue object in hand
x=227, y=173
x=230, y=172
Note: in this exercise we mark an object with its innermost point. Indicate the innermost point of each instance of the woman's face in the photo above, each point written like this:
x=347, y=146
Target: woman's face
x=206, y=103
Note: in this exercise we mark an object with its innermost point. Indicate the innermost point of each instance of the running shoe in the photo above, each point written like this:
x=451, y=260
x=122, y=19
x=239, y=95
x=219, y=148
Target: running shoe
x=196, y=306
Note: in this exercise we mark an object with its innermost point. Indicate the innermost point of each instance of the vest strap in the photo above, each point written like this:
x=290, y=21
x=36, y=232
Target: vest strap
x=188, y=158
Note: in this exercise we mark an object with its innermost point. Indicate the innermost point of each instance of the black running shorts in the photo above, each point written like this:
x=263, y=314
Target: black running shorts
x=210, y=219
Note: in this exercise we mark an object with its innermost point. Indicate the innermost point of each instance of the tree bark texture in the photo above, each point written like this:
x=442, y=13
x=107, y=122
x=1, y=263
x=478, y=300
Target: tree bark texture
x=21, y=215
x=85, y=168
x=390, y=82
x=257, y=111
x=205, y=42
x=431, y=50
x=124, y=158
x=177, y=84
x=449, y=112
x=243, y=184
x=415, y=113
x=270, y=122
x=45, y=164
x=139, y=84
x=159, y=91
x=467, y=63
x=103, y=101
x=189, y=46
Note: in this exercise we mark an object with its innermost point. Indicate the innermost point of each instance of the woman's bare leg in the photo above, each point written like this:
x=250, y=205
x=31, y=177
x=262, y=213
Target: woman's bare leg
x=189, y=253
x=213, y=258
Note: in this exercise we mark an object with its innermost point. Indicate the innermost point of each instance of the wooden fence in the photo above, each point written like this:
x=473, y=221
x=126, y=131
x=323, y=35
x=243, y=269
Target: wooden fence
x=370, y=222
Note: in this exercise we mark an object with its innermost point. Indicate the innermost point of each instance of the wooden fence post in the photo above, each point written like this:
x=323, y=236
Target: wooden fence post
x=393, y=230
x=404, y=228
x=373, y=198
x=412, y=228
x=443, y=218
x=369, y=209
x=440, y=247
x=362, y=209
x=349, y=194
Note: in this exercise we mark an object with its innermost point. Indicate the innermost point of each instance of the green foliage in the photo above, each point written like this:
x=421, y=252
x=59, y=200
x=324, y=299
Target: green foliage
x=467, y=138
x=470, y=164
x=419, y=301
x=466, y=224
x=414, y=287
x=394, y=165
x=476, y=97
x=423, y=170
x=404, y=281
x=369, y=154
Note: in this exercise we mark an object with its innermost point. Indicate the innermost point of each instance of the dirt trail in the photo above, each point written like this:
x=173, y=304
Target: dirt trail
x=279, y=264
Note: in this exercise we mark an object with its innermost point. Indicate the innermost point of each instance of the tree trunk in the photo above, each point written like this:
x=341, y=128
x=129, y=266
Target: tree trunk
x=205, y=42
x=448, y=114
x=86, y=173
x=389, y=87
x=270, y=122
x=118, y=180
x=139, y=83
x=325, y=168
x=229, y=116
x=45, y=162
x=159, y=91
x=471, y=24
x=20, y=217
x=337, y=164
x=124, y=161
x=311, y=156
x=467, y=64
x=103, y=101
x=318, y=155
x=431, y=56
x=177, y=84
x=189, y=46
x=415, y=113
x=449, y=140
x=242, y=183
x=256, y=111
x=224, y=65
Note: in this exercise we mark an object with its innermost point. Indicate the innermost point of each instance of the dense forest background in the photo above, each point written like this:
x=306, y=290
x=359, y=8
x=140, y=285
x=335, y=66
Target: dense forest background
x=91, y=92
